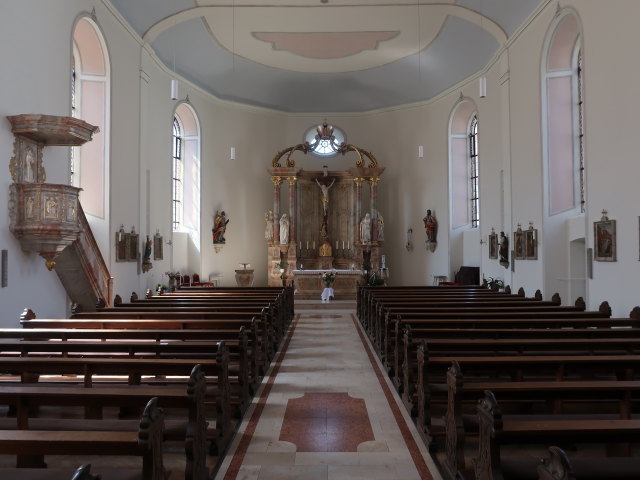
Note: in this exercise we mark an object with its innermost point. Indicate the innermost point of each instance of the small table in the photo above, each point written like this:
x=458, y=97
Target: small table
x=327, y=294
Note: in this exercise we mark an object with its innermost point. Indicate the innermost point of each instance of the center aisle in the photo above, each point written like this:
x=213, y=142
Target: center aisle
x=326, y=411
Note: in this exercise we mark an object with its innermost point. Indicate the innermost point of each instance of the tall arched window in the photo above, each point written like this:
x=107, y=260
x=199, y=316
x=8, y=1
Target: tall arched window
x=474, y=193
x=90, y=101
x=186, y=172
x=463, y=166
x=178, y=175
x=562, y=115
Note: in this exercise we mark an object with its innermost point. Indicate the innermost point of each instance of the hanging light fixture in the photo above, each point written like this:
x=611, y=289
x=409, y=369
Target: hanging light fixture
x=174, y=89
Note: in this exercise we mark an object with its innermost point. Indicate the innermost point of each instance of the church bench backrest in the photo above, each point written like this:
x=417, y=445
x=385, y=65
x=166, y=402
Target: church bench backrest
x=146, y=442
x=189, y=400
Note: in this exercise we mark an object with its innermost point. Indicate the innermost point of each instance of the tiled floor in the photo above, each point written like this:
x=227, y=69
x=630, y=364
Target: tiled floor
x=326, y=412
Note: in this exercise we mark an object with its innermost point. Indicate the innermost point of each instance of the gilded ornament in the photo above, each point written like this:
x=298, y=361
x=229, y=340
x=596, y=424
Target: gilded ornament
x=277, y=181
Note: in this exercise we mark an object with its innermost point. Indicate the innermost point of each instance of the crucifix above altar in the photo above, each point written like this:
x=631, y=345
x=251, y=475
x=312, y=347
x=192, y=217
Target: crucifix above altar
x=330, y=223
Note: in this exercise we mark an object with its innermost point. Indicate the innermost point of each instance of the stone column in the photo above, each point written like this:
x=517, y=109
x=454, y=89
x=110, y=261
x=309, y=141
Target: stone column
x=373, y=190
x=277, y=181
x=292, y=208
x=358, y=184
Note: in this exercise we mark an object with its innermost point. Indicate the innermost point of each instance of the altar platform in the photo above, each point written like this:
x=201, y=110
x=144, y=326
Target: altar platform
x=309, y=285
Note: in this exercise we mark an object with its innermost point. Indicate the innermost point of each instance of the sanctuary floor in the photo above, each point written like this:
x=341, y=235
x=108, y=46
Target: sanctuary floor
x=326, y=411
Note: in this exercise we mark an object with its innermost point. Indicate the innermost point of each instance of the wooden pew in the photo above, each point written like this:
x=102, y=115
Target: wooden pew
x=30, y=446
x=265, y=338
x=29, y=369
x=556, y=398
x=431, y=372
x=240, y=388
x=402, y=353
x=494, y=432
x=234, y=340
x=392, y=326
x=392, y=351
x=191, y=428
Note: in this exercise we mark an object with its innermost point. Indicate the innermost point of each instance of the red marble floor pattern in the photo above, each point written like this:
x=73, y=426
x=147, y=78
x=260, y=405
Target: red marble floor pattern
x=326, y=422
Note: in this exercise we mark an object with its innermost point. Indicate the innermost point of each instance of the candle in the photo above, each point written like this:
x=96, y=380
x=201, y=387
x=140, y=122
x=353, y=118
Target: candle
x=336, y=244
x=314, y=244
x=343, y=244
x=307, y=244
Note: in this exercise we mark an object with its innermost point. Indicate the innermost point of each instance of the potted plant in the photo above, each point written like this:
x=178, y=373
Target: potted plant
x=495, y=284
x=173, y=277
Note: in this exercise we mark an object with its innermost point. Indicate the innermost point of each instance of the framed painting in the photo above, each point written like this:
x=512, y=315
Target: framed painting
x=531, y=244
x=604, y=239
x=132, y=247
x=122, y=242
x=493, y=245
x=157, y=247
x=518, y=245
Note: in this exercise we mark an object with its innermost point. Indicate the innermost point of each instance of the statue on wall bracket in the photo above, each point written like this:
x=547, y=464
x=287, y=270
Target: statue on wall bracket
x=431, y=229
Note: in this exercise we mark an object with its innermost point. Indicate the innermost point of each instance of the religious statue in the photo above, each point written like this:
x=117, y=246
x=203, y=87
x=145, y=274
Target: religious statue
x=325, y=195
x=284, y=229
x=431, y=229
x=380, y=228
x=146, y=257
x=268, y=226
x=503, y=250
x=219, y=227
x=365, y=229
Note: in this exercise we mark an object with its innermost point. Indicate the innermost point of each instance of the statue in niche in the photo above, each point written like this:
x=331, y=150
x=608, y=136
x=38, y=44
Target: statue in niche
x=325, y=195
x=268, y=226
x=284, y=229
x=380, y=228
x=365, y=229
x=30, y=169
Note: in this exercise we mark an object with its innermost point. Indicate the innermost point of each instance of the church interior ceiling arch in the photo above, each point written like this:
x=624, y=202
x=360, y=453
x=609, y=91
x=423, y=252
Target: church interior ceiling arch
x=338, y=56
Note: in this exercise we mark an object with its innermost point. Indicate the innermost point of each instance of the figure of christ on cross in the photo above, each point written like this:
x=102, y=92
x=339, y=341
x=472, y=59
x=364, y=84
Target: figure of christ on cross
x=325, y=196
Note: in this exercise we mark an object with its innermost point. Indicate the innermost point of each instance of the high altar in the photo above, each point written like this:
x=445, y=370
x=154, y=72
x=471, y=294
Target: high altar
x=322, y=224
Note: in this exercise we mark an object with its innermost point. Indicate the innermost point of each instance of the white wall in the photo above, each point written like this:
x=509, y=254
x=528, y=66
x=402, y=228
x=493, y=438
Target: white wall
x=511, y=190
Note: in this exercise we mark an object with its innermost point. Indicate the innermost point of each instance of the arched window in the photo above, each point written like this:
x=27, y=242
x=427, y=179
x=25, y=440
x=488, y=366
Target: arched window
x=90, y=75
x=562, y=115
x=178, y=175
x=474, y=194
x=186, y=172
x=463, y=166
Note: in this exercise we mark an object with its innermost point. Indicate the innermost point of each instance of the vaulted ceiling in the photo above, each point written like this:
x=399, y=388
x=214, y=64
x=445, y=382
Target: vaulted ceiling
x=339, y=56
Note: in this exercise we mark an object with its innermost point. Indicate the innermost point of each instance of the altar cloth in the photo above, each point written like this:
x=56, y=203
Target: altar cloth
x=327, y=294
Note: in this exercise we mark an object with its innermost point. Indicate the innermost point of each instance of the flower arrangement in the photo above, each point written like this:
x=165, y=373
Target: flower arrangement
x=328, y=278
x=172, y=275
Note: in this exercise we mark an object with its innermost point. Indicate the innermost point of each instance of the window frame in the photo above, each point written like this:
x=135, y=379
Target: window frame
x=474, y=171
x=177, y=175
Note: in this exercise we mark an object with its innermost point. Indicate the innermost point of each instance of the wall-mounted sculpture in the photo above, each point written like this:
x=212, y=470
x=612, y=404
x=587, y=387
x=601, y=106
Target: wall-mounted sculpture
x=431, y=229
x=220, y=222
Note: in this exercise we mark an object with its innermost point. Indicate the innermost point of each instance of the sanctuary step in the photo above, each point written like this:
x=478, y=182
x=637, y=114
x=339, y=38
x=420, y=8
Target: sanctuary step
x=319, y=305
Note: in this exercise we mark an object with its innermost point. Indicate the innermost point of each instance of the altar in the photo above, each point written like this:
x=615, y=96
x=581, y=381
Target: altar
x=325, y=221
x=309, y=284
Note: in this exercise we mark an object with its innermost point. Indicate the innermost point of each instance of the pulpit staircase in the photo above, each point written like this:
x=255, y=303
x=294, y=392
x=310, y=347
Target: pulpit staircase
x=82, y=269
